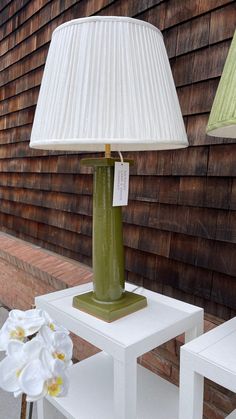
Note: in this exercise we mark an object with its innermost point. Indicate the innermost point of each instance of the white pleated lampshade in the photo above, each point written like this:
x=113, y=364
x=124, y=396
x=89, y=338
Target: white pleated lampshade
x=107, y=80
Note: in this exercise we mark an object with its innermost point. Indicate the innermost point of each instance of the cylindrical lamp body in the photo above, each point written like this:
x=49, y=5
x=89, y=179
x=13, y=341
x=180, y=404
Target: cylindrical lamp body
x=108, y=251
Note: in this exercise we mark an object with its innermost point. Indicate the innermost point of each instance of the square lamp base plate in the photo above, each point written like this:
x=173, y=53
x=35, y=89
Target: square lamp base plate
x=127, y=304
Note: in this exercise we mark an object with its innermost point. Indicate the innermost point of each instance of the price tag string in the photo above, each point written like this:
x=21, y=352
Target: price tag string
x=121, y=157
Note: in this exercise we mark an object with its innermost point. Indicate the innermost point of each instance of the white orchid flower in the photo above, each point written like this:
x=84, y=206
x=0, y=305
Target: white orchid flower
x=44, y=376
x=58, y=382
x=31, y=320
x=20, y=325
x=11, y=367
x=58, y=343
x=38, y=366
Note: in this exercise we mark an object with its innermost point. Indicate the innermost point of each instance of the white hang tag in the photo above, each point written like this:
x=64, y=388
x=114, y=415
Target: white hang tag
x=121, y=184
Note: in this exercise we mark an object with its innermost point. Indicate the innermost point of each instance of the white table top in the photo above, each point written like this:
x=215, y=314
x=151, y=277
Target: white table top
x=162, y=319
x=217, y=346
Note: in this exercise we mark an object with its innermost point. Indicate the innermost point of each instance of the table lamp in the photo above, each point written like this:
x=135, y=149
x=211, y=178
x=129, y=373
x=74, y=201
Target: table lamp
x=107, y=86
x=222, y=119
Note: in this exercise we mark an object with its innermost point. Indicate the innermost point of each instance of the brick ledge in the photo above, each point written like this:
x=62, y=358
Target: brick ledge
x=54, y=270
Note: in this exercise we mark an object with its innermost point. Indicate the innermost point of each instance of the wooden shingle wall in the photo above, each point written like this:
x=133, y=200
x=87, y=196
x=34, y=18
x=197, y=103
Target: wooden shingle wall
x=180, y=225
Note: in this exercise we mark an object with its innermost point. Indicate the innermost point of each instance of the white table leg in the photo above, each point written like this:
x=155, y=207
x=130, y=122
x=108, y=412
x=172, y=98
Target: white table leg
x=40, y=409
x=190, y=390
x=195, y=331
x=125, y=389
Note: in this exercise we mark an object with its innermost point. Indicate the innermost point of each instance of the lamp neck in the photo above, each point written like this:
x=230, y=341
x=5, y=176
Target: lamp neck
x=107, y=151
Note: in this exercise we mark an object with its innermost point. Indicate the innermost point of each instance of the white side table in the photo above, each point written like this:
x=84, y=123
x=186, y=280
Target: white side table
x=105, y=386
x=213, y=356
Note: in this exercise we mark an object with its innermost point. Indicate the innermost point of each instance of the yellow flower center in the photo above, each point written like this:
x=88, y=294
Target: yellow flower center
x=59, y=355
x=54, y=386
x=18, y=373
x=17, y=333
x=52, y=326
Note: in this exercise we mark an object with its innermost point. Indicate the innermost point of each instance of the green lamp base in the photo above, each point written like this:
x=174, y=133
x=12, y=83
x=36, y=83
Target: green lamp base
x=110, y=311
x=108, y=301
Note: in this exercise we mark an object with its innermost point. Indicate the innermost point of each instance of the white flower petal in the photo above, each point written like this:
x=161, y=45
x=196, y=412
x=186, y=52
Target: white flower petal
x=53, y=325
x=17, y=393
x=34, y=312
x=16, y=314
x=19, y=315
x=4, y=337
x=59, y=344
x=32, y=349
x=48, y=361
x=65, y=387
x=33, y=326
x=59, y=369
x=59, y=328
x=62, y=339
x=46, y=334
x=15, y=348
x=38, y=397
x=30, y=321
x=9, y=377
x=46, y=316
x=31, y=379
x=58, y=384
x=62, y=344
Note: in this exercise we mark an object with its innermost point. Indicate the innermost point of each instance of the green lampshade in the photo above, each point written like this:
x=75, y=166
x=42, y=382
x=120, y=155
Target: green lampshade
x=222, y=120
